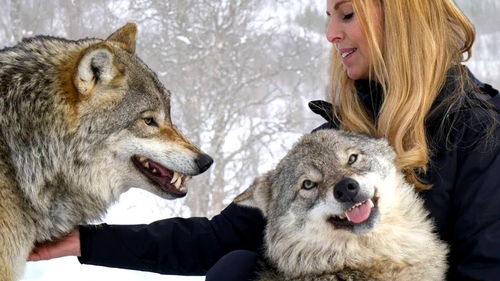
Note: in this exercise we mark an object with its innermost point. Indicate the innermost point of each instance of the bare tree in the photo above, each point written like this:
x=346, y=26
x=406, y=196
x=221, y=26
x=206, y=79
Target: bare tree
x=234, y=75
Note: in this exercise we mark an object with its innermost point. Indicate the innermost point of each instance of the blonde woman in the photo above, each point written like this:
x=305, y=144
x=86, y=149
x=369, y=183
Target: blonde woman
x=396, y=73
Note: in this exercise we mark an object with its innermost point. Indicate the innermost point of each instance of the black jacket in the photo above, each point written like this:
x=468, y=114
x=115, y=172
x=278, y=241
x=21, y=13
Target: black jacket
x=464, y=201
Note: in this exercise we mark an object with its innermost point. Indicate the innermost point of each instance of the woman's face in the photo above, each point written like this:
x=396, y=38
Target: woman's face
x=344, y=31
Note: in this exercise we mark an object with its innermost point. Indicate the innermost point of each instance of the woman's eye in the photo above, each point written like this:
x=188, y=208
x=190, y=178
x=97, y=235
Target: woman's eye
x=352, y=159
x=308, y=185
x=150, y=121
x=348, y=16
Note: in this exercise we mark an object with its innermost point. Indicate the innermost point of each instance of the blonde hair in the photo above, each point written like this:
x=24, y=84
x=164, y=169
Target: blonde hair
x=412, y=51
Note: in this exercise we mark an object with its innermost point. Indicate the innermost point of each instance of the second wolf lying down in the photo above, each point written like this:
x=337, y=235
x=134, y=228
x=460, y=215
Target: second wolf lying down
x=338, y=209
x=80, y=123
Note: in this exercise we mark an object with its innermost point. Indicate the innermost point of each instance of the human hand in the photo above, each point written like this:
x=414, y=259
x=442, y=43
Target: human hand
x=66, y=246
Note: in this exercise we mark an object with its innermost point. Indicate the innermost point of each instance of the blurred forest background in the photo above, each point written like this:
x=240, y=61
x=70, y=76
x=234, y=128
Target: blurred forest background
x=241, y=73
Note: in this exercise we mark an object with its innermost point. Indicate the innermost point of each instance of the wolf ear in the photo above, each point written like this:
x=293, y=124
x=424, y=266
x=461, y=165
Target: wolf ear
x=258, y=195
x=96, y=66
x=125, y=37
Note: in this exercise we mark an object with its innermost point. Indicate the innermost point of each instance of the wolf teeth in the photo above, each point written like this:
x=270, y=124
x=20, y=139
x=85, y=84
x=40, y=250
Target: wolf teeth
x=178, y=183
x=357, y=205
x=177, y=180
x=175, y=177
x=361, y=203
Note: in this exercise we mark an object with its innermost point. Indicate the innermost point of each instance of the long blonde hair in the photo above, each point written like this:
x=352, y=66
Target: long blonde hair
x=412, y=51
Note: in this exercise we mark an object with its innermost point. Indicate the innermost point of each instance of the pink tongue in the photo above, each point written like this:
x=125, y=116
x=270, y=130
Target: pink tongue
x=360, y=213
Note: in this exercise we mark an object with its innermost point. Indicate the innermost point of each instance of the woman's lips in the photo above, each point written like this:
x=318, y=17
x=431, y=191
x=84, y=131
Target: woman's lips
x=346, y=54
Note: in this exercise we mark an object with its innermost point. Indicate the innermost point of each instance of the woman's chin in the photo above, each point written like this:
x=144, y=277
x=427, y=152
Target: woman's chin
x=355, y=73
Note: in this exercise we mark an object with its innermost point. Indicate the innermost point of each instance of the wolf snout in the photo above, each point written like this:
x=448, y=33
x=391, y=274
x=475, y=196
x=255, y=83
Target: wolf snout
x=346, y=190
x=204, y=161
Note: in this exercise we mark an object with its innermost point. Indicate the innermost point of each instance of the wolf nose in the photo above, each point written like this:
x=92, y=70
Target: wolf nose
x=204, y=162
x=346, y=190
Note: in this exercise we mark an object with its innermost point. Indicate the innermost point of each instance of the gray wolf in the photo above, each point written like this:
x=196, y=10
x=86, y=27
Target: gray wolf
x=80, y=123
x=338, y=209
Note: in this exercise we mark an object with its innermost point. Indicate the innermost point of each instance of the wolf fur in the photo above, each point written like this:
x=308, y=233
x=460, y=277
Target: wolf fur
x=80, y=123
x=305, y=200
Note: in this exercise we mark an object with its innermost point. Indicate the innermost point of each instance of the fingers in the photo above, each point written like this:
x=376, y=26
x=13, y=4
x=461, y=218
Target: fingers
x=67, y=246
x=34, y=256
x=41, y=252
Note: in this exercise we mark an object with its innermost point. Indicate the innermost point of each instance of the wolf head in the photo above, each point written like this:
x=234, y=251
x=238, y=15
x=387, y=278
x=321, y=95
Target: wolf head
x=330, y=200
x=333, y=176
x=148, y=149
x=89, y=115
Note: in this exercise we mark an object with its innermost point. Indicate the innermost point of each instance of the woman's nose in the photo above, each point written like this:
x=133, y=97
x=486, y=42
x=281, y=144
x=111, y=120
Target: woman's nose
x=333, y=33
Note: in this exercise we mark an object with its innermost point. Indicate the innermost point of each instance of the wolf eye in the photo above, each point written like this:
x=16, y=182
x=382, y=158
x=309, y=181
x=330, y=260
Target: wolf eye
x=352, y=159
x=308, y=185
x=150, y=121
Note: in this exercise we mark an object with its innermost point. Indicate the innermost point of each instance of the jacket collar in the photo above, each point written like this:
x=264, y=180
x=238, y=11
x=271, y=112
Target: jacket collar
x=370, y=93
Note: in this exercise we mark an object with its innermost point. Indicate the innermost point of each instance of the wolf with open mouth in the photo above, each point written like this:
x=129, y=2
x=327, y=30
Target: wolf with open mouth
x=81, y=122
x=338, y=209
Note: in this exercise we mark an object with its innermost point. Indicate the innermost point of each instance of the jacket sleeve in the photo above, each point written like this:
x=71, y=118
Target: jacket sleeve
x=173, y=246
x=177, y=245
x=475, y=210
